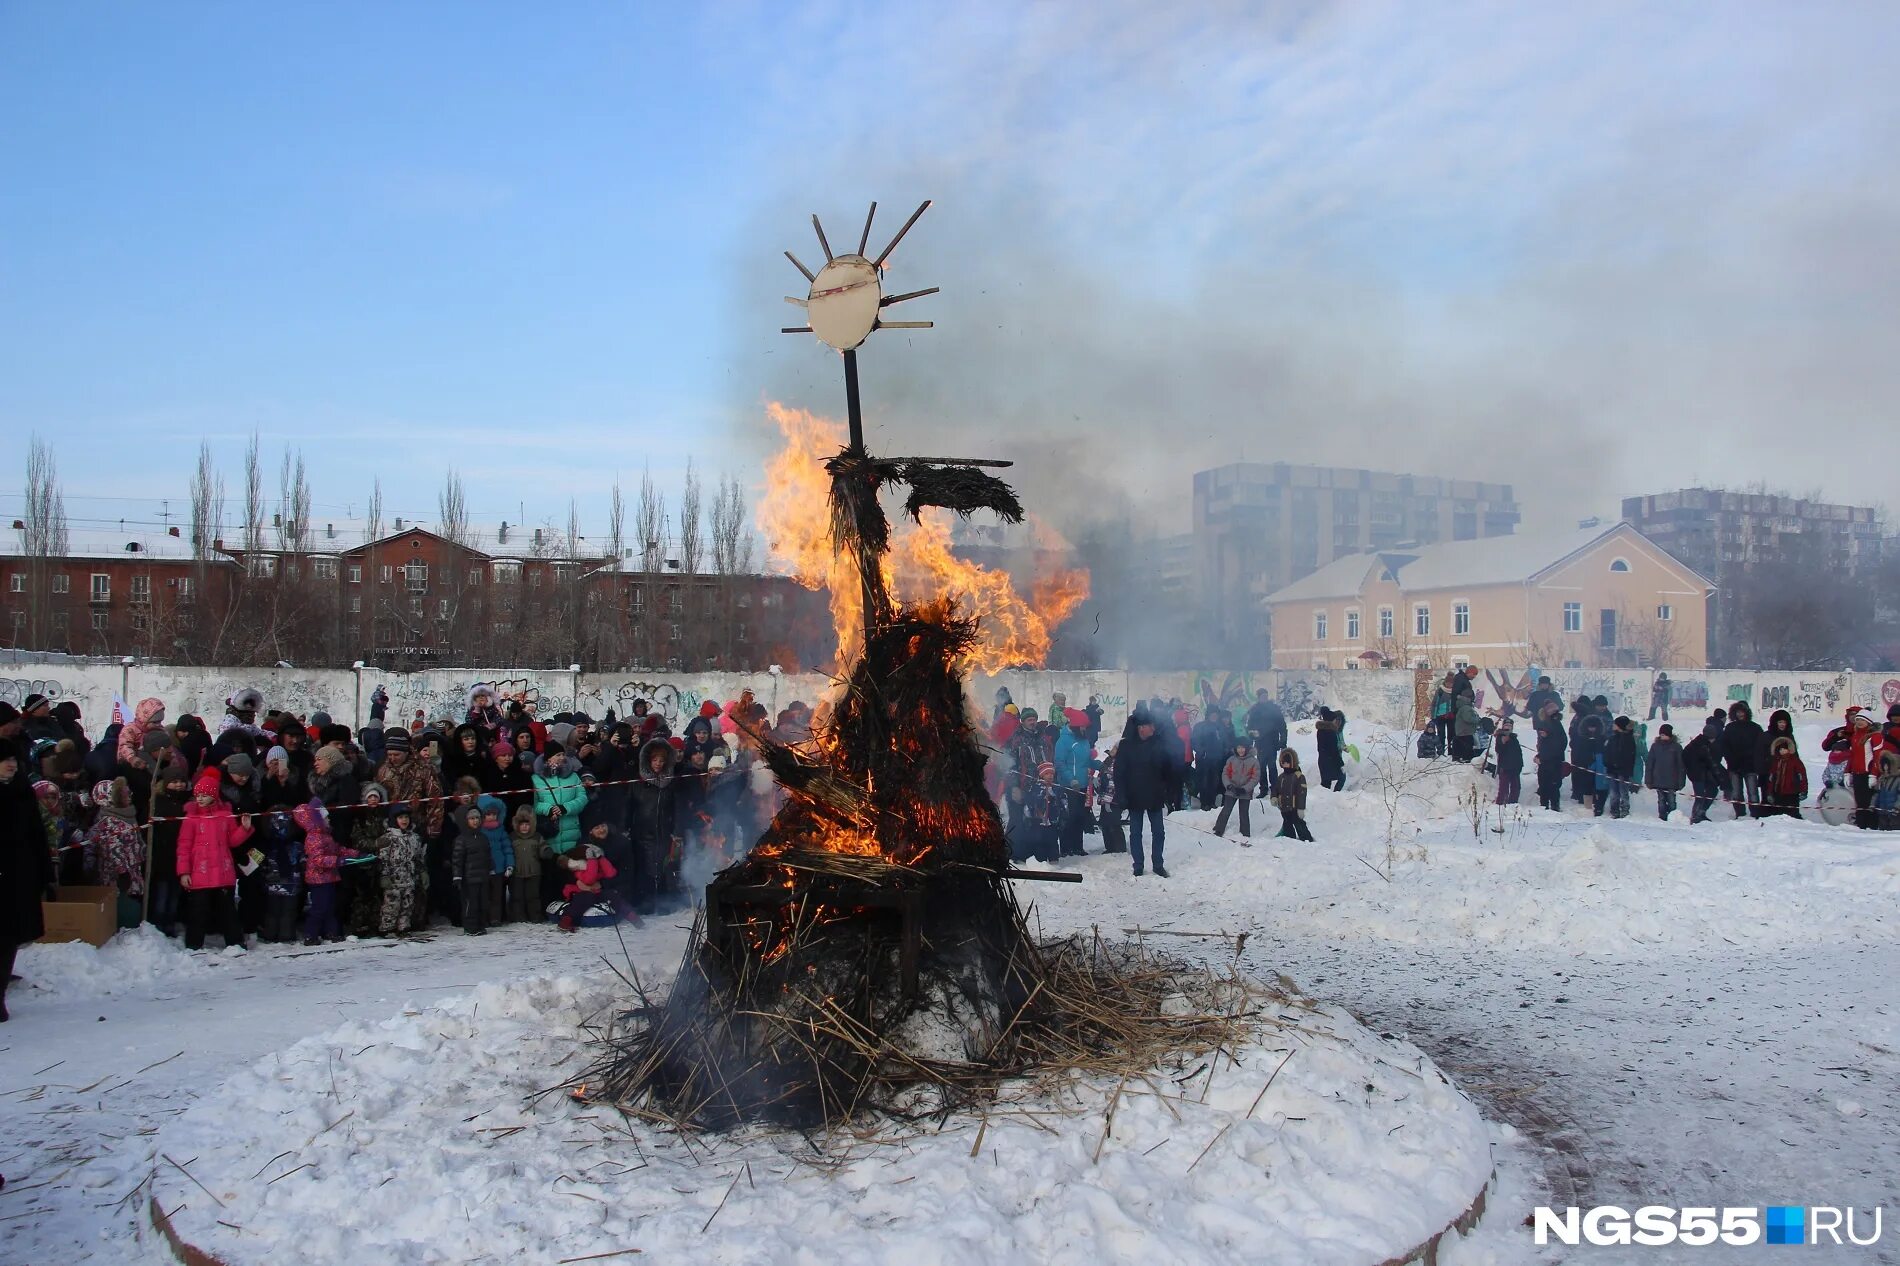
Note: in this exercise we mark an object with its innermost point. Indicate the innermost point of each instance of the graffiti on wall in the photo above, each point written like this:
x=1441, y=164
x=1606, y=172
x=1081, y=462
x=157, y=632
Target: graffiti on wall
x=1300, y=697
x=1513, y=697
x=14, y=690
x=1741, y=692
x=1689, y=694
x=1234, y=692
x=1774, y=697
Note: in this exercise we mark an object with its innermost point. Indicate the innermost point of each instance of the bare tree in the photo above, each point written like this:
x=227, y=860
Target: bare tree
x=649, y=520
x=293, y=500
x=573, y=529
x=43, y=535
x=373, y=526
x=253, y=498
x=1658, y=642
x=207, y=505
x=732, y=543
x=691, y=541
x=452, y=510
x=616, y=526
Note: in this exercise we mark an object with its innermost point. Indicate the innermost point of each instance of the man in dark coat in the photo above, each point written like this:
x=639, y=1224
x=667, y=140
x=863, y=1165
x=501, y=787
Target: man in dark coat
x=1702, y=766
x=1267, y=724
x=650, y=813
x=1147, y=774
x=1666, y=770
x=1210, y=738
x=26, y=867
x=1742, y=749
x=1540, y=698
x=1551, y=746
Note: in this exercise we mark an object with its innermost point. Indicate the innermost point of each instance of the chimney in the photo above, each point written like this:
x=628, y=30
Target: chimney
x=503, y=537
x=277, y=520
x=171, y=531
x=19, y=525
x=218, y=544
x=329, y=530
x=399, y=525
x=537, y=536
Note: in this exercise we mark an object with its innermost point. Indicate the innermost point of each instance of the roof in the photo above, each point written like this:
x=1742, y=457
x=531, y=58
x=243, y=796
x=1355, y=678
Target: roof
x=1492, y=560
x=1341, y=578
x=115, y=543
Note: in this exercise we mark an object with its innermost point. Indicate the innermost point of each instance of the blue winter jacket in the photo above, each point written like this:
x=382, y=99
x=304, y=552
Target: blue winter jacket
x=501, y=848
x=1072, y=760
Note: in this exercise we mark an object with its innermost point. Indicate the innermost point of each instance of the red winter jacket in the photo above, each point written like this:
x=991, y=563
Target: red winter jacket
x=205, y=840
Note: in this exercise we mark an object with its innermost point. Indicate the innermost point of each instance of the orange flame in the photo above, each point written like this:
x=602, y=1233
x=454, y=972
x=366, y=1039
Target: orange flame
x=795, y=516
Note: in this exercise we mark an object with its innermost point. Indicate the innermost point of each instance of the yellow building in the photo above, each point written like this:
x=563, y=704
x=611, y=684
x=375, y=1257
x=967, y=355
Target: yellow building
x=1596, y=597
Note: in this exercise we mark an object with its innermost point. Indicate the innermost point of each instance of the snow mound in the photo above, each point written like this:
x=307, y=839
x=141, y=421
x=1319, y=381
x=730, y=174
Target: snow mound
x=133, y=962
x=421, y=1138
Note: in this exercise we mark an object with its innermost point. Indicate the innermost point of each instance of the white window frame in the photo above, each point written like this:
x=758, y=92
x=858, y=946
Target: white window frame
x=389, y=573
x=474, y=575
x=1388, y=622
x=99, y=621
x=442, y=609
x=356, y=573
x=1665, y=612
x=187, y=590
x=356, y=604
x=62, y=583
x=1461, y=615
x=416, y=577
x=1352, y=625
x=101, y=586
x=1319, y=626
x=263, y=566
x=1421, y=619
x=141, y=588
x=16, y=583
x=323, y=568
x=1620, y=565
x=1573, y=609
x=508, y=572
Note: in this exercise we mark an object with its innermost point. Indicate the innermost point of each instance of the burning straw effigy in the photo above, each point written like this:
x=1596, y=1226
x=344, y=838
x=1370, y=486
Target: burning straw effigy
x=869, y=954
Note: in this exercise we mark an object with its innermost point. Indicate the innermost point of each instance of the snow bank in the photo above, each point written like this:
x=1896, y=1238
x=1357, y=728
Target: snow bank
x=419, y=1139
x=134, y=962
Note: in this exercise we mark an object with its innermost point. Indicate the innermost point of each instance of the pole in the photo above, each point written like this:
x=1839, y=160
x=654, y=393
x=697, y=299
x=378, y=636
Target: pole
x=851, y=400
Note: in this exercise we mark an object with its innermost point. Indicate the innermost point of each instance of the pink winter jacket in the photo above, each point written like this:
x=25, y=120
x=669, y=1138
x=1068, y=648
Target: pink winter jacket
x=321, y=852
x=149, y=713
x=205, y=841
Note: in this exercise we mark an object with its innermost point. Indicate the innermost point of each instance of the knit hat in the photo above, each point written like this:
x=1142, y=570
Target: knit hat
x=1076, y=717
x=1665, y=731
x=43, y=789
x=208, y=784
x=319, y=719
x=396, y=740
x=708, y=709
x=32, y=702
x=276, y=754
x=155, y=741
x=1046, y=770
x=1010, y=709
x=500, y=748
x=400, y=809
x=8, y=713
x=102, y=792
x=376, y=789
x=240, y=766
x=326, y=758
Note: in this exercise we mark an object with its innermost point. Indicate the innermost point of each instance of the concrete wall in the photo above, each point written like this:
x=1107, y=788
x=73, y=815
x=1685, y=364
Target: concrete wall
x=1388, y=697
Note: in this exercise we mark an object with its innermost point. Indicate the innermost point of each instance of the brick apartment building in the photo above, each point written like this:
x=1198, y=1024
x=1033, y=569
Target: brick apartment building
x=407, y=599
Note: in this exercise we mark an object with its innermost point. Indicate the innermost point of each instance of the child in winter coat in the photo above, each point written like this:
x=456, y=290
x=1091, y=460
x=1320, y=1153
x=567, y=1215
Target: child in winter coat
x=471, y=862
x=1786, y=783
x=1619, y=762
x=1702, y=766
x=116, y=848
x=1667, y=770
x=1887, y=791
x=1289, y=793
x=283, y=877
x=501, y=858
x=205, y=870
x=588, y=886
x=524, y=889
x=400, y=856
x=1509, y=754
x=321, y=858
x=1239, y=776
x=1043, y=810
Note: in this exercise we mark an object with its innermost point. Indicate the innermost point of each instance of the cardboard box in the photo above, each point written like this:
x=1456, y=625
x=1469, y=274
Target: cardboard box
x=82, y=914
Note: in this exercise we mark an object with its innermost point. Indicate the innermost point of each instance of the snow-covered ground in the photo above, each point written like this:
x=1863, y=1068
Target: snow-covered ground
x=1649, y=1014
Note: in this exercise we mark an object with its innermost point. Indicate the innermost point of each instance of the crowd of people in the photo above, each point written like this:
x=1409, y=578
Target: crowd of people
x=1758, y=771
x=1055, y=788
x=299, y=829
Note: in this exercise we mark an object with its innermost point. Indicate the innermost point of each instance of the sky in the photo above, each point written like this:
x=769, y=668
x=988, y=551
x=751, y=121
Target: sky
x=1592, y=250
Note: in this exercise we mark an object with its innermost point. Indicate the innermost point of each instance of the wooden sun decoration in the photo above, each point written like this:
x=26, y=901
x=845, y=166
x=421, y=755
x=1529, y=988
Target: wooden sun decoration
x=847, y=293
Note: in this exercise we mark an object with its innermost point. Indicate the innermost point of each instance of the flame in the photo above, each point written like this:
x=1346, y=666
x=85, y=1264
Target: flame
x=795, y=516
